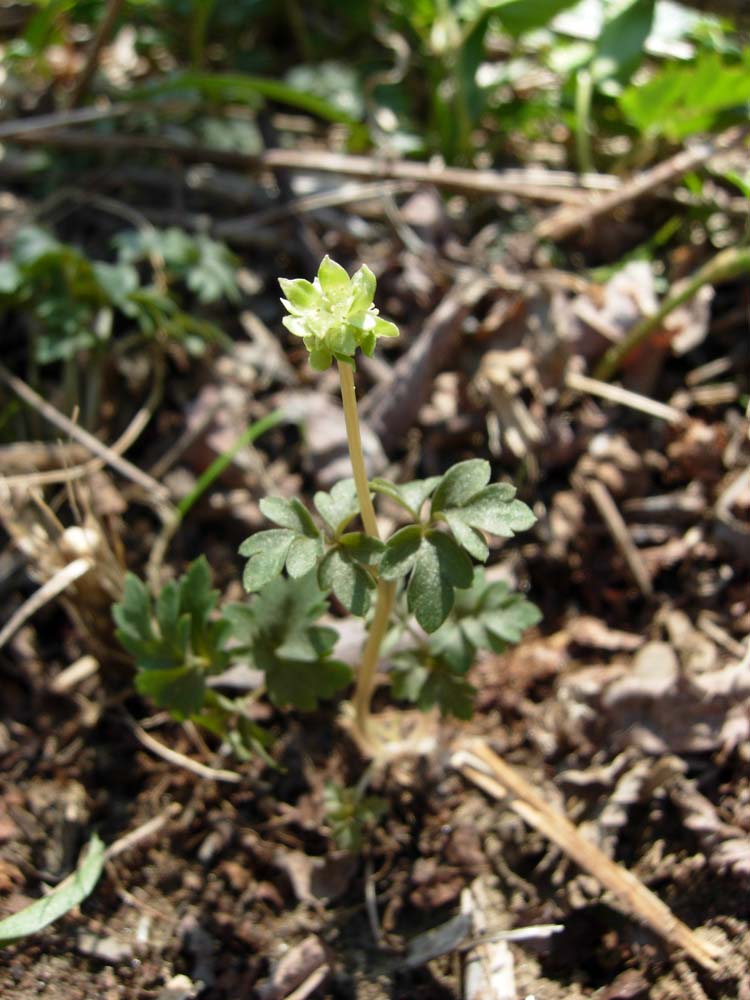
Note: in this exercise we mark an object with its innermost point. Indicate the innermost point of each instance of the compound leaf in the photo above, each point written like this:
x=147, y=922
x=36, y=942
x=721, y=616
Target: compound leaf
x=278, y=632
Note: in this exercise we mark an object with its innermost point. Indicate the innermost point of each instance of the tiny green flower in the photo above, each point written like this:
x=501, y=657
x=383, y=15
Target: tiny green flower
x=334, y=314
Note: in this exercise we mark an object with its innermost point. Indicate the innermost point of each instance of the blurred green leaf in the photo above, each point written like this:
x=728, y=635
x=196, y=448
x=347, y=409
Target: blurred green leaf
x=69, y=893
x=680, y=100
x=241, y=89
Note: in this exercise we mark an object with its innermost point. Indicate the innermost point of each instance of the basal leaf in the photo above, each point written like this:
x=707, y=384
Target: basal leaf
x=180, y=689
x=302, y=684
x=278, y=632
x=467, y=537
x=133, y=613
x=362, y=547
x=493, y=509
x=303, y=555
x=431, y=683
x=289, y=514
x=454, y=564
x=510, y=622
x=411, y=496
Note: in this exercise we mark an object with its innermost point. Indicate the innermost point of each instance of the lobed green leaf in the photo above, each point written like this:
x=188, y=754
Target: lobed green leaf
x=266, y=552
x=349, y=581
x=401, y=552
x=460, y=483
x=338, y=507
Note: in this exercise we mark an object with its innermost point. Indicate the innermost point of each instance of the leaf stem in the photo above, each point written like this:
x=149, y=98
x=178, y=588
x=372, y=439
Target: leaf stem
x=386, y=589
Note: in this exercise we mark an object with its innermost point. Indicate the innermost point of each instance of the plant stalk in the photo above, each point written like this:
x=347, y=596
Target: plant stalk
x=356, y=456
x=386, y=589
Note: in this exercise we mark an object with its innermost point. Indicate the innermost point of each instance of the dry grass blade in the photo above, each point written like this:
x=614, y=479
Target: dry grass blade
x=479, y=764
x=624, y=397
x=55, y=586
x=179, y=759
x=36, y=453
x=65, y=424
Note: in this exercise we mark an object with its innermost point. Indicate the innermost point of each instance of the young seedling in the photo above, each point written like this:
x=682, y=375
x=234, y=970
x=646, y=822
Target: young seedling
x=426, y=570
x=432, y=556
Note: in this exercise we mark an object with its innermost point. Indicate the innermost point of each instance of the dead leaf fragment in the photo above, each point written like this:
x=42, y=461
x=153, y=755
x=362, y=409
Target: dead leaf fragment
x=317, y=878
x=302, y=969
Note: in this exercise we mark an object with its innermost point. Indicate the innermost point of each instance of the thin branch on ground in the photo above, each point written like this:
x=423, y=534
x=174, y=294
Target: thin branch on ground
x=566, y=221
x=547, y=187
x=70, y=428
x=484, y=768
x=624, y=397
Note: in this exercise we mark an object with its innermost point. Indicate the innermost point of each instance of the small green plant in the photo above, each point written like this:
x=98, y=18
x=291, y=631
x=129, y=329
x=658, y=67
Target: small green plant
x=426, y=570
x=71, y=302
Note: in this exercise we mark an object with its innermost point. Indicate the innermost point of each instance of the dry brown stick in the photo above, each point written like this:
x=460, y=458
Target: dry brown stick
x=618, y=528
x=136, y=837
x=566, y=221
x=103, y=31
x=479, y=764
x=624, y=397
x=490, y=182
x=18, y=129
x=94, y=445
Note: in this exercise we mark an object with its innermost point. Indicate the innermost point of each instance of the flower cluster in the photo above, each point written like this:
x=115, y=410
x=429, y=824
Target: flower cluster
x=334, y=314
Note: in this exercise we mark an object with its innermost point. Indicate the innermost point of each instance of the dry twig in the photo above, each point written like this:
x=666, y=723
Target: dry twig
x=69, y=427
x=547, y=187
x=568, y=220
x=618, y=528
x=103, y=31
x=624, y=397
x=479, y=764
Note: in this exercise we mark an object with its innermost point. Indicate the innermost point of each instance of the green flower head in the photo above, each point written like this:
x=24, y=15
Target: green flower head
x=334, y=314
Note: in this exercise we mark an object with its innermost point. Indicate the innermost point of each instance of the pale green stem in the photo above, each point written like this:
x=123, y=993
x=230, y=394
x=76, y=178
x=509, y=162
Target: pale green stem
x=354, y=438
x=386, y=589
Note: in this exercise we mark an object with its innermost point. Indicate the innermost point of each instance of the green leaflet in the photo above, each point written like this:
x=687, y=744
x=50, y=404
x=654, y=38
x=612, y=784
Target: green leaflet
x=338, y=507
x=278, y=633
